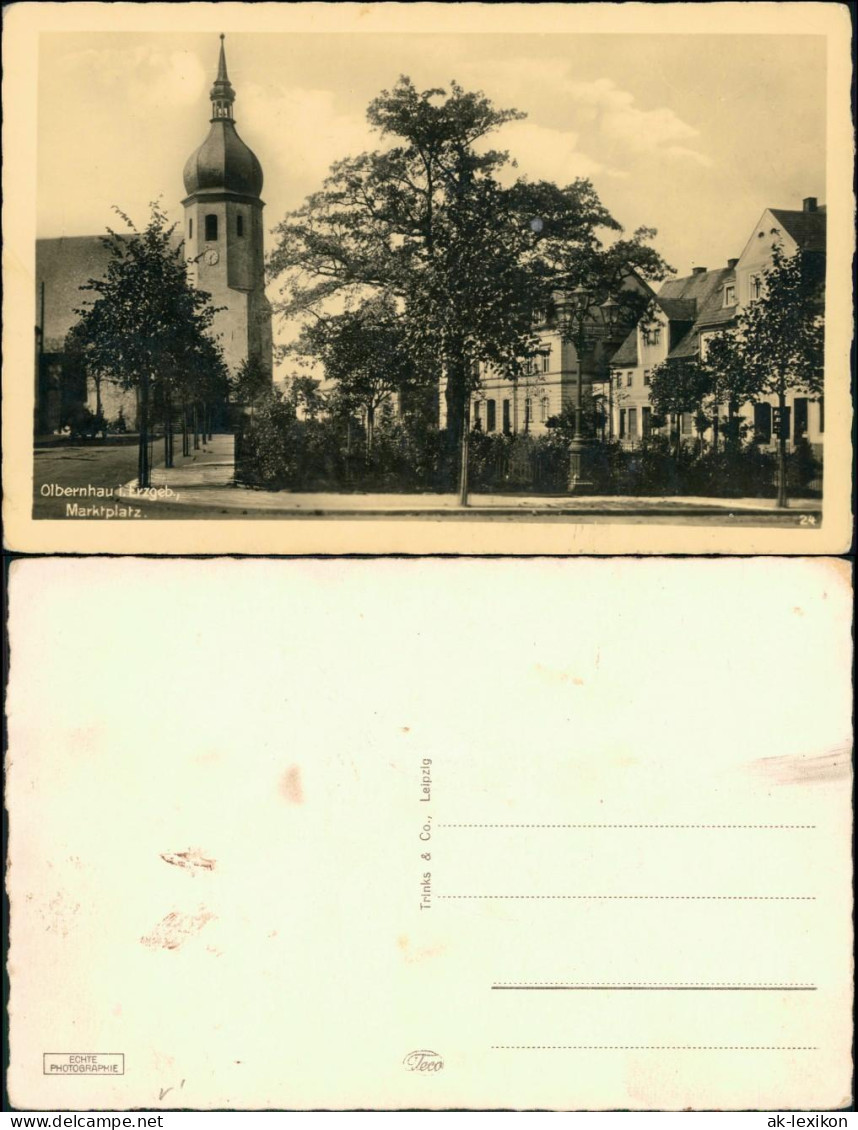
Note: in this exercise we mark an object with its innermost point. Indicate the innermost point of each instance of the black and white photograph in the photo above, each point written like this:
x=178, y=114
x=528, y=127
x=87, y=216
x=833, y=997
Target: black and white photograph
x=538, y=280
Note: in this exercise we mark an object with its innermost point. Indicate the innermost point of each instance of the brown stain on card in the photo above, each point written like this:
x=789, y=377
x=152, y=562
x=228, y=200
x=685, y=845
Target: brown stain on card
x=551, y=674
x=413, y=955
x=176, y=928
x=191, y=860
x=290, y=786
x=804, y=768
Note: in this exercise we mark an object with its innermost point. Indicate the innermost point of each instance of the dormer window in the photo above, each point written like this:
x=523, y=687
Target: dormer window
x=211, y=228
x=652, y=336
x=730, y=295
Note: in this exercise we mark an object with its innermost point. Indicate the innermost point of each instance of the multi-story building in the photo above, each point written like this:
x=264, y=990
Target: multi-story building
x=551, y=378
x=690, y=310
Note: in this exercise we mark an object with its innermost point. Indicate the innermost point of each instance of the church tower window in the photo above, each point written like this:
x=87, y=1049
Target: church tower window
x=239, y=226
x=190, y=229
x=211, y=228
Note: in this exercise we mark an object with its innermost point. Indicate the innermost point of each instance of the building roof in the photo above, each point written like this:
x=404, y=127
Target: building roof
x=678, y=309
x=687, y=346
x=63, y=266
x=682, y=301
x=627, y=354
x=806, y=228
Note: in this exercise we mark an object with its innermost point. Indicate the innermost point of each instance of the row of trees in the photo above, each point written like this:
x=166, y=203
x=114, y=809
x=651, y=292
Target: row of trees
x=148, y=329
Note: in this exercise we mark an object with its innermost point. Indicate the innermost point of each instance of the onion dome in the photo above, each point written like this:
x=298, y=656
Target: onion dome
x=223, y=163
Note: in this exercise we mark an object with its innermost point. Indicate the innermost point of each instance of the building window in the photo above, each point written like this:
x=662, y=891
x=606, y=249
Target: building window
x=686, y=423
x=729, y=295
x=633, y=423
x=756, y=287
x=545, y=361
x=646, y=422
x=477, y=408
x=211, y=229
x=543, y=409
x=507, y=426
x=622, y=423
x=239, y=226
x=800, y=407
x=491, y=422
x=191, y=228
x=652, y=336
x=629, y=378
x=762, y=423
x=647, y=376
x=528, y=412
x=821, y=414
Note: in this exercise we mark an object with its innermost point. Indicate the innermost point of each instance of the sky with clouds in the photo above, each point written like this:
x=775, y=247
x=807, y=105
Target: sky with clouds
x=690, y=134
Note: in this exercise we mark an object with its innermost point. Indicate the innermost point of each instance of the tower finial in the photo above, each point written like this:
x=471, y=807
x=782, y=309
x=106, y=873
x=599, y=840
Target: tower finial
x=222, y=94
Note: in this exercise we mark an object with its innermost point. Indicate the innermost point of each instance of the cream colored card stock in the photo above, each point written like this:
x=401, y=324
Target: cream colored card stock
x=433, y=834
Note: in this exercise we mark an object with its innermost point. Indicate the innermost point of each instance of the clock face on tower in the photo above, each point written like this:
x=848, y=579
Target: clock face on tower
x=211, y=256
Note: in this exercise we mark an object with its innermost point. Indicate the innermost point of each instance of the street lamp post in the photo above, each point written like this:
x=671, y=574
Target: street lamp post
x=582, y=303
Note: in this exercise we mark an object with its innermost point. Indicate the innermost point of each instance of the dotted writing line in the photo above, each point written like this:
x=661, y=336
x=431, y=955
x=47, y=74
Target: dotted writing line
x=770, y=826
x=717, y=898
x=658, y=1047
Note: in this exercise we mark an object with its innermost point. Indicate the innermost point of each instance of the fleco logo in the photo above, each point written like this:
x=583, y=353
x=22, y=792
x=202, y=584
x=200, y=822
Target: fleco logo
x=425, y=1061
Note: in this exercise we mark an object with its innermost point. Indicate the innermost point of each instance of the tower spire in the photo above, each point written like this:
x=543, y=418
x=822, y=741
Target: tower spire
x=222, y=94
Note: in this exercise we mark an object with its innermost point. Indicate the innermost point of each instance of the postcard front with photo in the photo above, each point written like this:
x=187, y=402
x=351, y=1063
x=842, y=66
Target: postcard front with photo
x=555, y=281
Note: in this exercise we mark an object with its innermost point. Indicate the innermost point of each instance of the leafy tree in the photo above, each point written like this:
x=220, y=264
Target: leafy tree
x=146, y=321
x=679, y=385
x=365, y=351
x=731, y=382
x=251, y=382
x=781, y=336
x=429, y=222
x=305, y=393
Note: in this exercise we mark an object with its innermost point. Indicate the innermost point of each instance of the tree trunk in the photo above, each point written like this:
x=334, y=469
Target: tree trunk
x=186, y=446
x=463, y=472
x=782, y=491
x=456, y=401
x=143, y=461
x=715, y=431
x=196, y=423
x=168, y=431
x=370, y=428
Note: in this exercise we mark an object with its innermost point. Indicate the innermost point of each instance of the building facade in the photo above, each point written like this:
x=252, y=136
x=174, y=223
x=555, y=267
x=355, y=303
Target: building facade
x=691, y=310
x=551, y=378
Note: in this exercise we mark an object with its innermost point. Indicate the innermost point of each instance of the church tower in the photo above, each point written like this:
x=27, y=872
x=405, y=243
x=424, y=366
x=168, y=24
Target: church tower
x=224, y=234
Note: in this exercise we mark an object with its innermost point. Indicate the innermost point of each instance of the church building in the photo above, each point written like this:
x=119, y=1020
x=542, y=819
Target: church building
x=223, y=240
x=224, y=231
